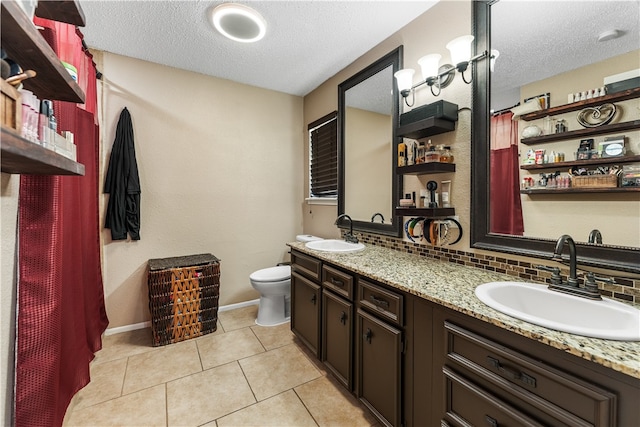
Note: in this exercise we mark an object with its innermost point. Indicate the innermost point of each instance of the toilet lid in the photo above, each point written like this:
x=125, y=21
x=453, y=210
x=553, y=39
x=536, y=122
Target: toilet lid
x=271, y=274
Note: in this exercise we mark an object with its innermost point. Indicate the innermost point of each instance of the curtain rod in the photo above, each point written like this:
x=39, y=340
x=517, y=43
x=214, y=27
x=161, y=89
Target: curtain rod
x=504, y=110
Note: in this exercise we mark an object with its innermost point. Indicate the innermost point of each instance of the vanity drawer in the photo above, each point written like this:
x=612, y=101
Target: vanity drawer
x=306, y=265
x=339, y=282
x=469, y=405
x=568, y=399
x=384, y=303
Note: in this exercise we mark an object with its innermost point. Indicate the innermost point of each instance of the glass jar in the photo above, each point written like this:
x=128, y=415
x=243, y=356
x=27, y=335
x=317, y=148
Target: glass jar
x=432, y=156
x=446, y=156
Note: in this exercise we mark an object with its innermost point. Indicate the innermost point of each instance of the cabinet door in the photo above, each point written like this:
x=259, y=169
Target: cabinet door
x=469, y=405
x=337, y=337
x=379, y=368
x=305, y=311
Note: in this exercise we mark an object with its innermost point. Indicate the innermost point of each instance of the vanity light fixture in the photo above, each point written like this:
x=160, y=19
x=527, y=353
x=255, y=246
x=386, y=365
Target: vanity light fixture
x=238, y=22
x=437, y=76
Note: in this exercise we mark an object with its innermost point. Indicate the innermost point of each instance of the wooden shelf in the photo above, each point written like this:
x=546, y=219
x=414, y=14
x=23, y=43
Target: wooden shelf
x=580, y=133
x=426, y=212
x=68, y=11
x=20, y=156
x=426, y=168
x=591, y=162
x=532, y=191
x=426, y=127
x=25, y=45
x=575, y=106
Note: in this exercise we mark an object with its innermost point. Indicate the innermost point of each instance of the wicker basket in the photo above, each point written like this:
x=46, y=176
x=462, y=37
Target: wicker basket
x=594, y=181
x=183, y=297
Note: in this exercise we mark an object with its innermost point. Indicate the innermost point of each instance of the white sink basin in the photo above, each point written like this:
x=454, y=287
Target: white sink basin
x=334, y=245
x=534, y=303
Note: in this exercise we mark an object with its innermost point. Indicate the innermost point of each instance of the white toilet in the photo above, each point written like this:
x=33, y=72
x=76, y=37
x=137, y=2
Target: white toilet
x=274, y=285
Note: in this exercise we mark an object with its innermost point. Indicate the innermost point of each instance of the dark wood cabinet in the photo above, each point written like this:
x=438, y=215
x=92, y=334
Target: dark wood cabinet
x=337, y=337
x=306, y=304
x=484, y=375
x=380, y=348
x=379, y=364
x=413, y=362
x=338, y=324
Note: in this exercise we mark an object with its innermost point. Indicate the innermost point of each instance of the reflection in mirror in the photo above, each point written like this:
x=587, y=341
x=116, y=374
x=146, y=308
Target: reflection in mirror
x=368, y=112
x=546, y=59
x=368, y=132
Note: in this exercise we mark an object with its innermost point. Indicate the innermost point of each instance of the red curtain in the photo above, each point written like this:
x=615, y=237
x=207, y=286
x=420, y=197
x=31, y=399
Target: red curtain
x=506, y=208
x=61, y=313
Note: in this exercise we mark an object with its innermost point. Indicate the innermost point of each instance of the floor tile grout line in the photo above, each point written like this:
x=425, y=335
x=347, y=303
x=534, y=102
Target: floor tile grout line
x=304, y=404
x=253, y=404
x=258, y=338
x=247, y=380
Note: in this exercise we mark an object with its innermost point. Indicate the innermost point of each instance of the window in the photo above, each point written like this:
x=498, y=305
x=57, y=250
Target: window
x=323, y=158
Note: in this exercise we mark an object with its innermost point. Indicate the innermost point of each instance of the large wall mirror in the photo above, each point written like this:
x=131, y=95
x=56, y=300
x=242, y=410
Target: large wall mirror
x=368, y=106
x=541, y=51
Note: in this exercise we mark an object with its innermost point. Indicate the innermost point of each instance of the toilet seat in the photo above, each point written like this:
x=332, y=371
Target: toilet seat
x=271, y=274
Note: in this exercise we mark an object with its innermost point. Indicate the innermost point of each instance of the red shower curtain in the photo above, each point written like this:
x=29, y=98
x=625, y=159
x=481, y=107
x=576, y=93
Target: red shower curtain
x=61, y=314
x=506, y=209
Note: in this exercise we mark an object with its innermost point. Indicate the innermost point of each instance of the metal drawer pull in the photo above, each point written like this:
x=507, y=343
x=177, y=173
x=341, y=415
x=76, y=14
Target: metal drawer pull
x=367, y=336
x=511, y=373
x=379, y=302
x=491, y=421
x=343, y=318
x=337, y=282
x=313, y=299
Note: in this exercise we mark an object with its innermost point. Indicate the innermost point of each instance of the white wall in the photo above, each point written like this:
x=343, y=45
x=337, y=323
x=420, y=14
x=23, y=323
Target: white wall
x=220, y=172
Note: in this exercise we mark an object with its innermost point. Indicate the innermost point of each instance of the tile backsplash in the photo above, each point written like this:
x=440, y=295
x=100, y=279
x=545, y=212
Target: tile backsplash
x=627, y=290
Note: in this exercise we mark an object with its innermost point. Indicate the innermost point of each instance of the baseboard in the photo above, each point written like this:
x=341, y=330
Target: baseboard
x=142, y=325
x=238, y=305
x=126, y=328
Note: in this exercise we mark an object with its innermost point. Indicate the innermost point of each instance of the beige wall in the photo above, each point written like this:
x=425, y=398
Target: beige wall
x=615, y=215
x=220, y=172
x=368, y=178
x=428, y=33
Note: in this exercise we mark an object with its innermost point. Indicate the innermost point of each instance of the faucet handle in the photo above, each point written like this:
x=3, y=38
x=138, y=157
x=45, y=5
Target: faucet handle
x=591, y=279
x=555, y=273
x=590, y=282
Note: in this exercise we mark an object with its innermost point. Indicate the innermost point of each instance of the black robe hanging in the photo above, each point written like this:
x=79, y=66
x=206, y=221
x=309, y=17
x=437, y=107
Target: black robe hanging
x=123, y=184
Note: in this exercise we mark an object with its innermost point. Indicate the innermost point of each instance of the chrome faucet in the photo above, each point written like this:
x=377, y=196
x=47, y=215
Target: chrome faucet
x=378, y=214
x=349, y=237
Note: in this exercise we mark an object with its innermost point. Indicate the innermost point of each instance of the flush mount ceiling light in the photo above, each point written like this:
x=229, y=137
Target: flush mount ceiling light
x=238, y=22
x=609, y=35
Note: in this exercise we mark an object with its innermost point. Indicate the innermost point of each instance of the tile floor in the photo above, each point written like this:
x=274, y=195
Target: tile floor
x=241, y=375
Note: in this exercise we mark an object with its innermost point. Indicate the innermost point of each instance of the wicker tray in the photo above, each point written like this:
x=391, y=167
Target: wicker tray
x=594, y=181
x=183, y=297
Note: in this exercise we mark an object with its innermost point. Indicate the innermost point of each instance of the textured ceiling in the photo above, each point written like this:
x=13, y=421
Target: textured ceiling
x=307, y=42
x=539, y=39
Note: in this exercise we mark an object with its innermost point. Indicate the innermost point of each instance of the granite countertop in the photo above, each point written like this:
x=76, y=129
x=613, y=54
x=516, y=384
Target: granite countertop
x=453, y=286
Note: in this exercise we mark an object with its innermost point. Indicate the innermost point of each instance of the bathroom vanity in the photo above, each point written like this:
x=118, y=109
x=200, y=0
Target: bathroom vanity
x=408, y=337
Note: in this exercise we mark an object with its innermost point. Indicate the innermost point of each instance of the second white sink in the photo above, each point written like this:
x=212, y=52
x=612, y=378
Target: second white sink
x=535, y=303
x=334, y=245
